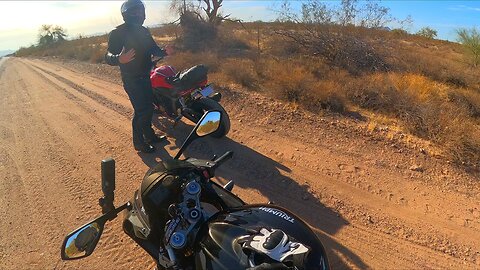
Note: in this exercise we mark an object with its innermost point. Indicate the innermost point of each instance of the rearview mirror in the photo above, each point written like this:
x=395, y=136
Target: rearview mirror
x=209, y=124
x=81, y=242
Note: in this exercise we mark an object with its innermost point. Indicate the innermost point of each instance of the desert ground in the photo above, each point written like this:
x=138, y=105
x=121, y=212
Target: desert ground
x=375, y=202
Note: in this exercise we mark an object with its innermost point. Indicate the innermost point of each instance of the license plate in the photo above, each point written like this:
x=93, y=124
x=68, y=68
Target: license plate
x=207, y=91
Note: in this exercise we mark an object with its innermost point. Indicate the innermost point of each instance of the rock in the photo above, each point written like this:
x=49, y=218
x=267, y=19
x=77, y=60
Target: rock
x=417, y=168
x=369, y=218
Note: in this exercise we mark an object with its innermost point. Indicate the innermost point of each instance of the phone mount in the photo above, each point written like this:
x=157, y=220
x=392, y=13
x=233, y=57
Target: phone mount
x=108, y=185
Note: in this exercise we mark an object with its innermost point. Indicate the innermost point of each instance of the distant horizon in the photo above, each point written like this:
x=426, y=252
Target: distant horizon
x=20, y=29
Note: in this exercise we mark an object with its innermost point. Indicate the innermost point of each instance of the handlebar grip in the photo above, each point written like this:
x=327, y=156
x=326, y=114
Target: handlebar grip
x=219, y=161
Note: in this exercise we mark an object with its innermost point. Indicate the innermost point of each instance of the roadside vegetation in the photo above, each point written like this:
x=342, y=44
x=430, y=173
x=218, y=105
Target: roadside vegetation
x=331, y=59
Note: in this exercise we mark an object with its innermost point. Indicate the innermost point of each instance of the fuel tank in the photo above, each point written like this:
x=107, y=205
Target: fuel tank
x=220, y=246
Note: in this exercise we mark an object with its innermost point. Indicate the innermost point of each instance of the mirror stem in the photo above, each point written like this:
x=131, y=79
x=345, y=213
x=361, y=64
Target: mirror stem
x=112, y=214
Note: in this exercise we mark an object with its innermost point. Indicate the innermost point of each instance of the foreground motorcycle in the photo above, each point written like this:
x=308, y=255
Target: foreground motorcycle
x=186, y=94
x=184, y=220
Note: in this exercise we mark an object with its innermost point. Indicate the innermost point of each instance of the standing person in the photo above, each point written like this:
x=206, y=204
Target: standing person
x=131, y=46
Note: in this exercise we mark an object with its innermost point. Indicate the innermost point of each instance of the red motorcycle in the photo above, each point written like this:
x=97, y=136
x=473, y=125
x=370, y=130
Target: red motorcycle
x=186, y=94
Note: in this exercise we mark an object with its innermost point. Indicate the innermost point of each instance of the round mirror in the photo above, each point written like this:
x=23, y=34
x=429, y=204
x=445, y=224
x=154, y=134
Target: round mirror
x=209, y=123
x=82, y=242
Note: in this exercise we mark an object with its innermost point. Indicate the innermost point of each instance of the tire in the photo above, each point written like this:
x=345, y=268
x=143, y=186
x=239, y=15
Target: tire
x=206, y=104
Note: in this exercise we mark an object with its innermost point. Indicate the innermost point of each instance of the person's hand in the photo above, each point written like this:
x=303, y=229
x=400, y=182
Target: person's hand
x=126, y=57
x=169, y=49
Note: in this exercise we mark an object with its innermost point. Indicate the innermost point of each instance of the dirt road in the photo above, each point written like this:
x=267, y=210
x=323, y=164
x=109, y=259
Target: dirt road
x=375, y=202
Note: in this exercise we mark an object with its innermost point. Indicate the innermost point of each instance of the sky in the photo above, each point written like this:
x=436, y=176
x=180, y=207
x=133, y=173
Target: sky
x=20, y=20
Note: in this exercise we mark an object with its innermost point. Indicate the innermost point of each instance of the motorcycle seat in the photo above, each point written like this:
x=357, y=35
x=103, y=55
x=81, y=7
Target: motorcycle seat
x=190, y=78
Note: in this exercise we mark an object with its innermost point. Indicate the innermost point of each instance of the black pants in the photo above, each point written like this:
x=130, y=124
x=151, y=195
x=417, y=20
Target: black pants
x=139, y=90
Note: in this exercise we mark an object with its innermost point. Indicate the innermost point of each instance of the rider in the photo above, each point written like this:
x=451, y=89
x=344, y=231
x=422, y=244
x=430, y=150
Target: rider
x=131, y=46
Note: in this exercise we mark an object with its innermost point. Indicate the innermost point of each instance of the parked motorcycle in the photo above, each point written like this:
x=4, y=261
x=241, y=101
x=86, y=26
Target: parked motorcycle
x=186, y=94
x=185, y=220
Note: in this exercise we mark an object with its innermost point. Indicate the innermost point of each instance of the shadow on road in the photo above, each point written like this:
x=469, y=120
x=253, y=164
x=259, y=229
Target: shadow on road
x=250, y=169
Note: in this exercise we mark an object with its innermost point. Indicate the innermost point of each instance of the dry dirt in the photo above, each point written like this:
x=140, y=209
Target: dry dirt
x=375, y=202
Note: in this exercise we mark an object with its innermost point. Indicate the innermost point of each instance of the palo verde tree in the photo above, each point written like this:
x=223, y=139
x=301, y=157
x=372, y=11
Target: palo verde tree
x=427, y=32
x=470, y=39
x=369, y=13
x=50, y=34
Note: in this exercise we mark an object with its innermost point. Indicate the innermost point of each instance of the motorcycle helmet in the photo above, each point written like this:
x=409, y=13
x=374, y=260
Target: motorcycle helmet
x=133, y=12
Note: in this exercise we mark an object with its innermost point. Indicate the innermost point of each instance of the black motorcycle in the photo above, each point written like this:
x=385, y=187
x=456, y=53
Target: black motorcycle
x=184, y=220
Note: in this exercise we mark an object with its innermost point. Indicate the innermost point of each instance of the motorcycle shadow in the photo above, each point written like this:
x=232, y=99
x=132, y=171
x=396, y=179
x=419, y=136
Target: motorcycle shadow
x=250, y=169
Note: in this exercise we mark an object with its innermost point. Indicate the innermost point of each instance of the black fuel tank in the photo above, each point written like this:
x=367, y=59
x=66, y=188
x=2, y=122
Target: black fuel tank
x=219, y=247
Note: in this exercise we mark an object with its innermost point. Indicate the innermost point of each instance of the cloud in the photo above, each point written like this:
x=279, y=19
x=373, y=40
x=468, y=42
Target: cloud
x=464, y=8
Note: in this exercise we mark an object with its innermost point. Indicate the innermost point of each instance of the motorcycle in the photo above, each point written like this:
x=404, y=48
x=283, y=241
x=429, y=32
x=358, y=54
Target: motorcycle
x=186, y=94
x=185, y=220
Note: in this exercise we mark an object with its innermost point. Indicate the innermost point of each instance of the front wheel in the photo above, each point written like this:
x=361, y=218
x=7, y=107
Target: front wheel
x=203, y=105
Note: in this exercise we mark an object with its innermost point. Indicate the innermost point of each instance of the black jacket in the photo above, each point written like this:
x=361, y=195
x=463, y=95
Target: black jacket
x=138, y=38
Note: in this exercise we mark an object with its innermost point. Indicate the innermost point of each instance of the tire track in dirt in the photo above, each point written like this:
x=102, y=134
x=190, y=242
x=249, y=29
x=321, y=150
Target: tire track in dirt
x=126, y=112
x=36, y=185
x=94, y=81
x=113, y=238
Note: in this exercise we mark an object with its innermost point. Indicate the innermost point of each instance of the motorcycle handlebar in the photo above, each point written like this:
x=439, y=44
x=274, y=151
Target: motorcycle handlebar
x=219, y=161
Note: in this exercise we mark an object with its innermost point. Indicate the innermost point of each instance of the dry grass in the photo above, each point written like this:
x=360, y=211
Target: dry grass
x=90, y=49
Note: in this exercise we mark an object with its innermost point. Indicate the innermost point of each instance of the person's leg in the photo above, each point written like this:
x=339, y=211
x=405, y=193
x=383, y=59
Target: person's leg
x=134, y=89
x=147, y=110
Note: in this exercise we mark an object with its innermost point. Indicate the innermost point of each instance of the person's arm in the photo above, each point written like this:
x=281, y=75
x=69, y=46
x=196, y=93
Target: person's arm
x=154, y=49
x=115, y=46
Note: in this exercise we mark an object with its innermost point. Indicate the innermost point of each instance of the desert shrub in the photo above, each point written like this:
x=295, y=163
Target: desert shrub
x=241, y=71
x=374, y=92
x=97, y=54
x=280, y=46
x=399, y=32
x=290, y=83
x=468, y=101
x=350, y=52
x=457, y=80
x=461, y=139
x=197, y=35
x=326, y=95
